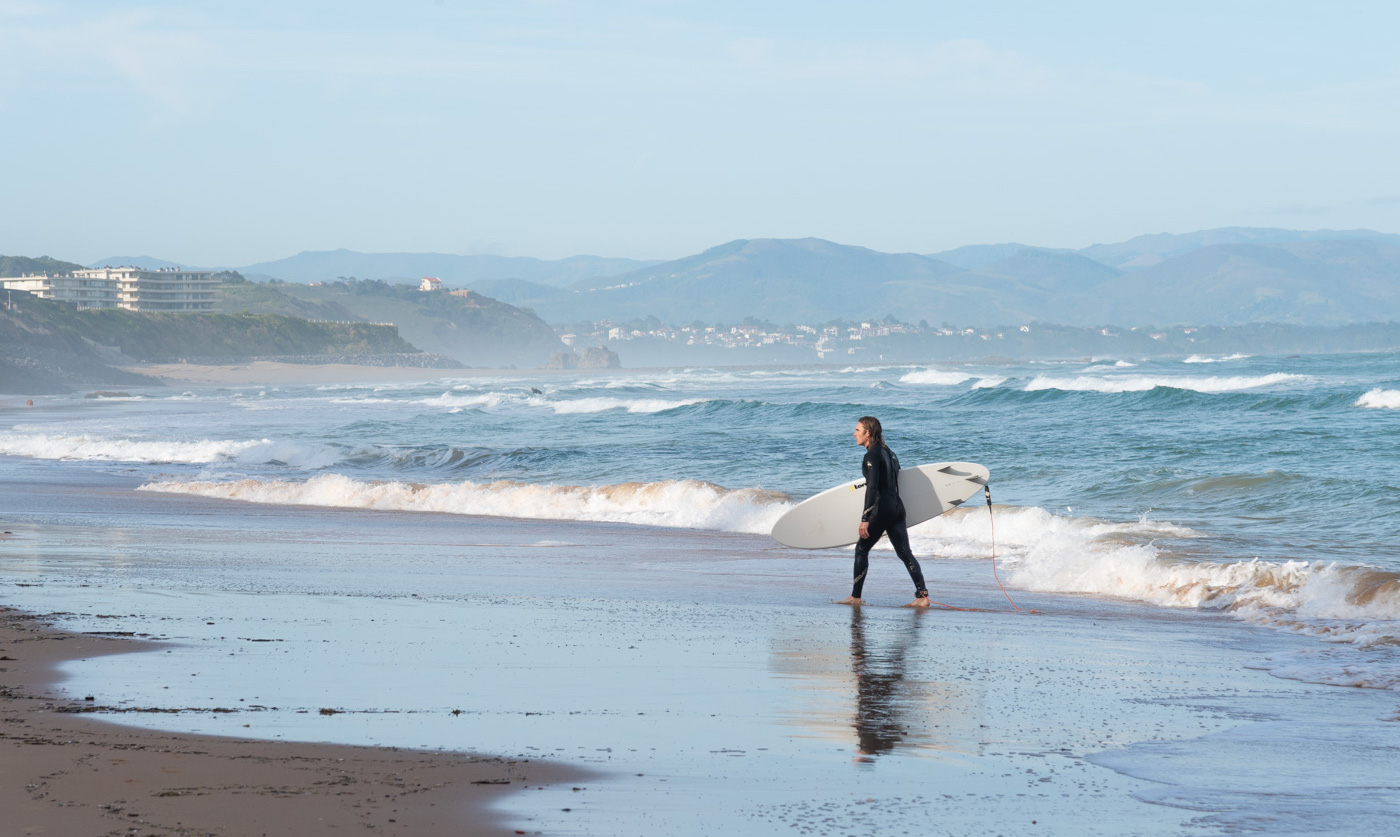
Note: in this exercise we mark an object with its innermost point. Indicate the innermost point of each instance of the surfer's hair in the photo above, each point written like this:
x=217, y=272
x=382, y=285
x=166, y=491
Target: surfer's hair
x=872, y=427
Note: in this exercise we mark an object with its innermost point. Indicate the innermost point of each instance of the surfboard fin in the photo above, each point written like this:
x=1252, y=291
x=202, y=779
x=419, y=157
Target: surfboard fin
x=967, y=475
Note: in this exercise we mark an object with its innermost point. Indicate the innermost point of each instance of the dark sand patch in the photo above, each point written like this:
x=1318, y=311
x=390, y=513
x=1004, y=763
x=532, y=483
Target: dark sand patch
x=66, y=774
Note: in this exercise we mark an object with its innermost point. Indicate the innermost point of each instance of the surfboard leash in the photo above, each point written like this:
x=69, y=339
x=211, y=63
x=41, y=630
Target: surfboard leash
x=987, y=490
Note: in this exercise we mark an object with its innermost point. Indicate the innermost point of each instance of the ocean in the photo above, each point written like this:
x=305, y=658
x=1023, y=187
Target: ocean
x=577, y=567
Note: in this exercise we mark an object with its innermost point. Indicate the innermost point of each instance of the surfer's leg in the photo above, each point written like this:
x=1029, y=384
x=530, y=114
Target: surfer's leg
x=899, y=539
x=863, y=559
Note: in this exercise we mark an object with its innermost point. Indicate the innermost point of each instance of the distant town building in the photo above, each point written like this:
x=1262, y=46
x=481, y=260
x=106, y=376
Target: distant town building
x=430, y=283
x=81, y=291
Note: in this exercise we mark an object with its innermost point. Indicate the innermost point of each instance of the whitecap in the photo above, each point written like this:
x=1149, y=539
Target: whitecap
x=1143, y=383
x=630, y=405
x=1206, y=359
x=935, y=377
x=86, y=447
x=1380, y=399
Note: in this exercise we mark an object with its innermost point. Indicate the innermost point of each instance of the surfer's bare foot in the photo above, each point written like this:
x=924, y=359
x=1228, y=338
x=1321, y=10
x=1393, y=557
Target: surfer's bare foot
x=852, y=600
x=919, y=602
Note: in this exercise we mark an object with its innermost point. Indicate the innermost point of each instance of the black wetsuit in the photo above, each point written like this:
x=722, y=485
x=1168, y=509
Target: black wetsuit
x=884, y=512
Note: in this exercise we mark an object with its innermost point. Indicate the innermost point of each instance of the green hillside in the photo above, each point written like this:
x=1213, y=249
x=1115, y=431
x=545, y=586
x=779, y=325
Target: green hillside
x=467, y=326
x=48, y=346
x=158, y=336
x=239, y=296
x=12, y=267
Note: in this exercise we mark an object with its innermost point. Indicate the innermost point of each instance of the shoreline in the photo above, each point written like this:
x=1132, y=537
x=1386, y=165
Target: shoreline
x=67, y=774
x=278, y=373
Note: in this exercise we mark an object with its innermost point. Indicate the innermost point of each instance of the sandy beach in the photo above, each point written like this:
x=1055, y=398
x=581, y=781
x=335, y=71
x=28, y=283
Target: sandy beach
x=273, y=373
x=67, y=774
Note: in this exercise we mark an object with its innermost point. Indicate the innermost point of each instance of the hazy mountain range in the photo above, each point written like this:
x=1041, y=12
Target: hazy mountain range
x=1227, y=276
x=1307, y=281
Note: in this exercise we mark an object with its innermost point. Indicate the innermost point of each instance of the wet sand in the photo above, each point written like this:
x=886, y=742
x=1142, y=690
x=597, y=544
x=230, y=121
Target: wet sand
x=66, y=774
x=703, y=680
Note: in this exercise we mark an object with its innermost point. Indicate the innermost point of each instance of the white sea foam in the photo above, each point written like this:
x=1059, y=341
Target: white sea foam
x=464, y=402
x=1143, y=383
x=1205, y=359
x=42, y=446
x=989, y=382
x=631, y=405
x=935, y=377
x=1039, y=551
x=457, y=401
x=1380, y=399
x=1334, y=667
x=1095, y=364
x=678, y=504
x=448, y=400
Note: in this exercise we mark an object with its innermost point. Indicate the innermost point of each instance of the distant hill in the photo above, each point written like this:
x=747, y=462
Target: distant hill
x=518, y=291
x=1304, y=283
x=13, y=267
x=1051, y=271
x=785, y=280
x=462, y=325
x=1031, y=284
x=48, y=346
x=1308, y=280
x=1147, y=250
x=455, y=271
x=239, y=296
x=975, y=256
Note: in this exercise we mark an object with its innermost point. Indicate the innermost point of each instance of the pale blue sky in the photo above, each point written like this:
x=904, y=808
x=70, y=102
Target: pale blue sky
x=226, y=133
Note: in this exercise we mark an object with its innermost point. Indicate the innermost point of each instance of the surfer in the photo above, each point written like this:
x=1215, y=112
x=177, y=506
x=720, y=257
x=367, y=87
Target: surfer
x=884, y=512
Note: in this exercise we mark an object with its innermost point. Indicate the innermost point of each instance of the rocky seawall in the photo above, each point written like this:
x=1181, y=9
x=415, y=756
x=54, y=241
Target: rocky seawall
x=415, y=360
x=40, y=370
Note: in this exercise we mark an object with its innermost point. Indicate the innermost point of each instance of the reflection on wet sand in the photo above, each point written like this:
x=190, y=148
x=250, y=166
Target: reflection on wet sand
x=889, y=670
x=882, y=707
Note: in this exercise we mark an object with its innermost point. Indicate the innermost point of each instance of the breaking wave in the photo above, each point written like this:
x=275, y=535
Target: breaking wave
x=934, y=377
x=684, y=504
x=1207, y=359
x=1380, y=399
x=457, y=401
x=631, y=405
x=1050, y=553
x=1143, y=383
x=41, y=446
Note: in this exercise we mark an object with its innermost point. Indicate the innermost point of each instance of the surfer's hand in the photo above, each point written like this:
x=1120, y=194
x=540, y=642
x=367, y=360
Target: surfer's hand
x=864, y=529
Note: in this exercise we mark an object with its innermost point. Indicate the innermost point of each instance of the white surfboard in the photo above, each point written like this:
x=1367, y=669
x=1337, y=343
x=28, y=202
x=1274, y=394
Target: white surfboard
x=832, y=517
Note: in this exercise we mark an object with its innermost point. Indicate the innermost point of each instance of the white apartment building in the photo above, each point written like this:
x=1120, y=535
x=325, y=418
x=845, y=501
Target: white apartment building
x=166, y=289
x=83, y=292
